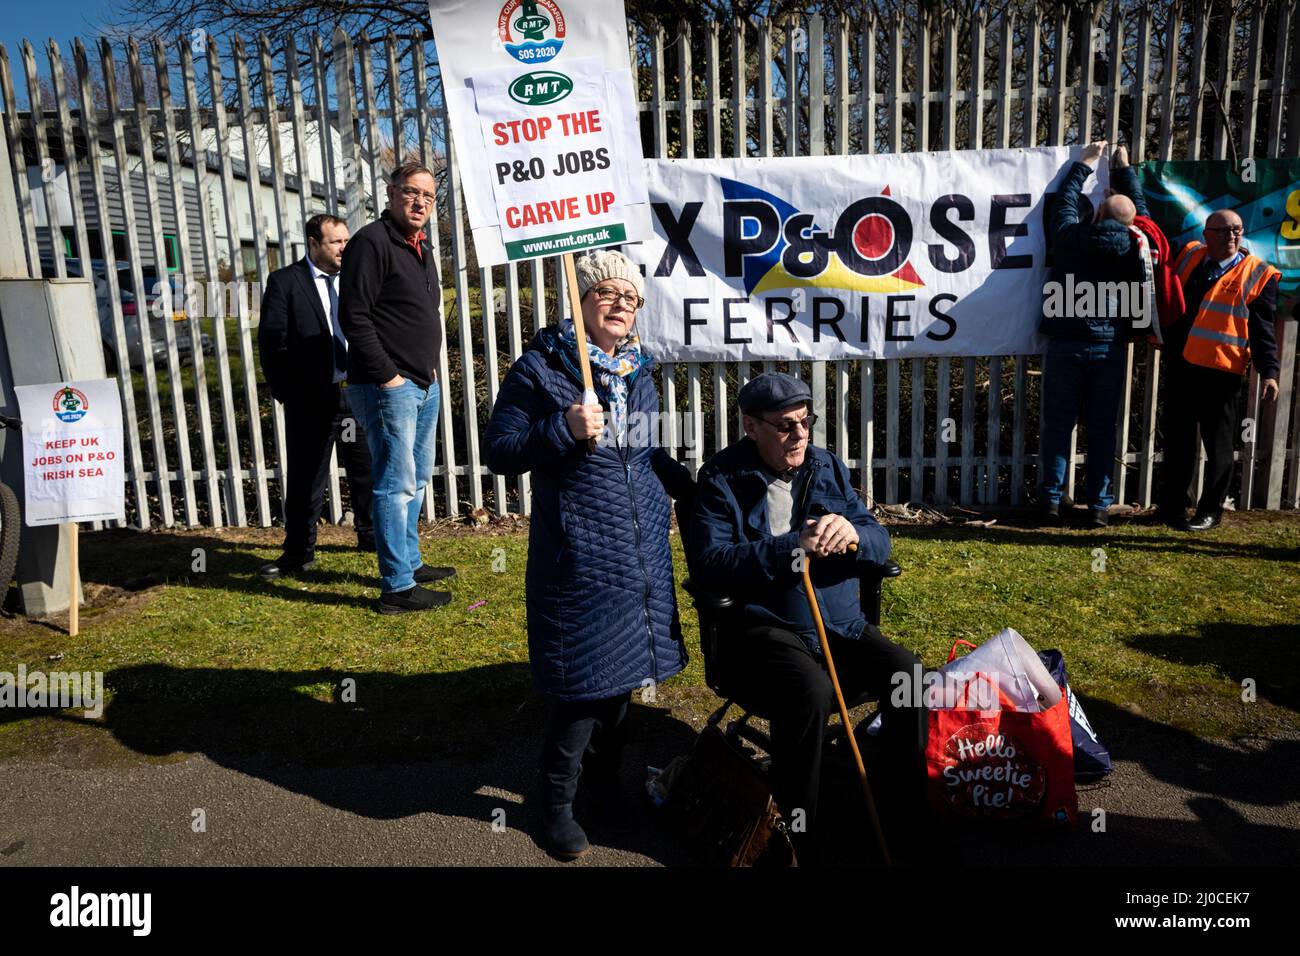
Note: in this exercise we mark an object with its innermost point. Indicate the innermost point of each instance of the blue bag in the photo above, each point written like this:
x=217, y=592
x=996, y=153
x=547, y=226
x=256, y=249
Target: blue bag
x=1091, y=758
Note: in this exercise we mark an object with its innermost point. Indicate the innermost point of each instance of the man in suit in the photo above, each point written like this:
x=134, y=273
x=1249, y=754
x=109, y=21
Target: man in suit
x=304, y=356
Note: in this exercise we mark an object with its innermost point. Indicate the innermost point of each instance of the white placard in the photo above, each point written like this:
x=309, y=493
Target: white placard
x=72, y=452
x=840, y=257
x=543, y=120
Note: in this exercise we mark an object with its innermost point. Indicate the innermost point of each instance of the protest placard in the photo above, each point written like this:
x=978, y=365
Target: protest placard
x=72, y=452
x=72, y=460
x=543, y=120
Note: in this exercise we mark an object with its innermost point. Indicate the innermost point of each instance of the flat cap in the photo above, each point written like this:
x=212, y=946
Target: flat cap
x=772, y=391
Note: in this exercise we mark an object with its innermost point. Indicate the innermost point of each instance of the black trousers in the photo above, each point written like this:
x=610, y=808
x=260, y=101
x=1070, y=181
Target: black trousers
x=1197, y=396
x=583, y=736
x=313, y=422
x=776, y=675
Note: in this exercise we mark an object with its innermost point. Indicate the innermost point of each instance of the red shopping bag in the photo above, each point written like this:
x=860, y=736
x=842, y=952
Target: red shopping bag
x=999, y=763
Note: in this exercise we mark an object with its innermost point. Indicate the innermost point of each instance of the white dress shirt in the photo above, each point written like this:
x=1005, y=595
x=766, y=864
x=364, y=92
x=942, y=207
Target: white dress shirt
x=322, y=290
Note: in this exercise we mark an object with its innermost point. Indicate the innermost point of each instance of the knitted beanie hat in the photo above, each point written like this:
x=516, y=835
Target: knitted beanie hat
x=601, y=264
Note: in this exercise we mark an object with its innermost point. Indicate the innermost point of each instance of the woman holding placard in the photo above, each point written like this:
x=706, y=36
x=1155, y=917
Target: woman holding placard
x=602, y=615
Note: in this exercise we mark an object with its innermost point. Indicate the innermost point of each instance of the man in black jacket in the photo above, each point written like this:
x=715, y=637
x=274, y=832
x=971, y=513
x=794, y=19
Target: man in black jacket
x=304, y=360
x=1090, y=302
x=392, y=313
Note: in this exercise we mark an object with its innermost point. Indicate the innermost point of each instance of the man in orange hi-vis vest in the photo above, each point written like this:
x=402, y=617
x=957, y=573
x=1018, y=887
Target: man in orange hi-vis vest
x=1231, y=300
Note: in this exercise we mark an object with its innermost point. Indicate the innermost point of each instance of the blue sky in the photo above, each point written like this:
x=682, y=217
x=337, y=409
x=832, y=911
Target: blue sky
x=38, y=20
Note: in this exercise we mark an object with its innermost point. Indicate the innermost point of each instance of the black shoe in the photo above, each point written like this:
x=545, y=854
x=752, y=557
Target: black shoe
x=283, y=567
x=564, y=838
x=425, y=574
x=412, y=599
x=1203, y=522
x=1049, y=515
x=1170, y=517
x=366, y=542
x=1098, y=517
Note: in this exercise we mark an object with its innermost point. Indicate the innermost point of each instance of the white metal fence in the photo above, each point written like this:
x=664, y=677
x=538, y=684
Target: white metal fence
x=205, y=444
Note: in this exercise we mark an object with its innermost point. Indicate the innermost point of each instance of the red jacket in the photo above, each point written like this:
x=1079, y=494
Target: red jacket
x=1169, y=292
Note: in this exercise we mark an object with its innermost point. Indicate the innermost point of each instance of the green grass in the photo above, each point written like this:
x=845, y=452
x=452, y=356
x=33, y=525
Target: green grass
x=216, y=659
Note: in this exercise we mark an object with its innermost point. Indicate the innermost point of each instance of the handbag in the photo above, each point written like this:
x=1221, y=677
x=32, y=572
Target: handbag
x=721, y=805
x=991, y=761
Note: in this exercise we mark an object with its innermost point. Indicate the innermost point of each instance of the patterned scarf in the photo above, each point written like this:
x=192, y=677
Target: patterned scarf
x=1147, y=263
x=609, y=372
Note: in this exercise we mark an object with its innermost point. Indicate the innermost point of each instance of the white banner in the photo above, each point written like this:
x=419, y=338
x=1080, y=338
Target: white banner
x=543, y=118
x=72, y=452
x=839, y=257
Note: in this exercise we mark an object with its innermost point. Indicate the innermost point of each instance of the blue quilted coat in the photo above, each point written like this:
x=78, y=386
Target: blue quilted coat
x=602, y=614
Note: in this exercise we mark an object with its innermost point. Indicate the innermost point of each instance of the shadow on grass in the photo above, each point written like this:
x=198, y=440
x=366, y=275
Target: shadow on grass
x=228, y=565
x=430, y=743
x=1268, y=655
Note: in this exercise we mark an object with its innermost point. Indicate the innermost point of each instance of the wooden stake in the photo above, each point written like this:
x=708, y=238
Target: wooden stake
x=584, y=360
x=74, y=577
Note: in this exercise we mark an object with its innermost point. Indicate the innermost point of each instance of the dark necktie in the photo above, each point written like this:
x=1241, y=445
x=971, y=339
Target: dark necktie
x=340, y=340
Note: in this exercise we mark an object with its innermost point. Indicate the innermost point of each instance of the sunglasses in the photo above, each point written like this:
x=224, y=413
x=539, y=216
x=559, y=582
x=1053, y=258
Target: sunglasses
x=788, y=427
x=1229, y=230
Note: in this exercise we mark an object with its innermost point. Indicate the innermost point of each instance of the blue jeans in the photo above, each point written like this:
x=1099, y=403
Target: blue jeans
x=400, y=430
x=1091, y=372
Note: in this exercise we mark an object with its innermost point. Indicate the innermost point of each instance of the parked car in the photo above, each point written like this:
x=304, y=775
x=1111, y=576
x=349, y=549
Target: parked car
x=130, y=313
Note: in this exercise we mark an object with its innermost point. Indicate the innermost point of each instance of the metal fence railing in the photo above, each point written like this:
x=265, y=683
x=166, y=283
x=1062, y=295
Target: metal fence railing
x=108, y=177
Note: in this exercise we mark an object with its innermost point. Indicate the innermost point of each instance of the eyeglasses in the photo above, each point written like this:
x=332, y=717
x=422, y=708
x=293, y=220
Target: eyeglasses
x=411, y=193
x=788, y=427
x=610, y=296
x=1229, y=230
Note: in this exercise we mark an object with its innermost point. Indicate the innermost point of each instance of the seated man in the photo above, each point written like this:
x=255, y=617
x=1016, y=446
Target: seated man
x=758, y=503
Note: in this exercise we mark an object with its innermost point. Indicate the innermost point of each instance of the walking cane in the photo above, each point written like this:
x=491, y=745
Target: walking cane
x=844, y=709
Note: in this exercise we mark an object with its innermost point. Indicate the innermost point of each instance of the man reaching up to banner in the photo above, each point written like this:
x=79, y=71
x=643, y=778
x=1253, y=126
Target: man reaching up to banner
x=1102, y=280
x=390, y=306
x=1231, y=299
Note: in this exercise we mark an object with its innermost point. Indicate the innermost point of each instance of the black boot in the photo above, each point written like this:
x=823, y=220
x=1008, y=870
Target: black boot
x=568, y=729
x=601, y=763
x=564, y=838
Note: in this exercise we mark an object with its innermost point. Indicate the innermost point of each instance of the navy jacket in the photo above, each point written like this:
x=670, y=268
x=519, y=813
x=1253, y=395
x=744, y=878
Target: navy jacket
x=602, y=612
x=735, y=553
x=1091, y=252
x=294, y=338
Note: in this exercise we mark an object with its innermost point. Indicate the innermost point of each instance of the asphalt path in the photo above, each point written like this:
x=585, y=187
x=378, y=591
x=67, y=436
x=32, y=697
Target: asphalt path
x=1173, y=799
